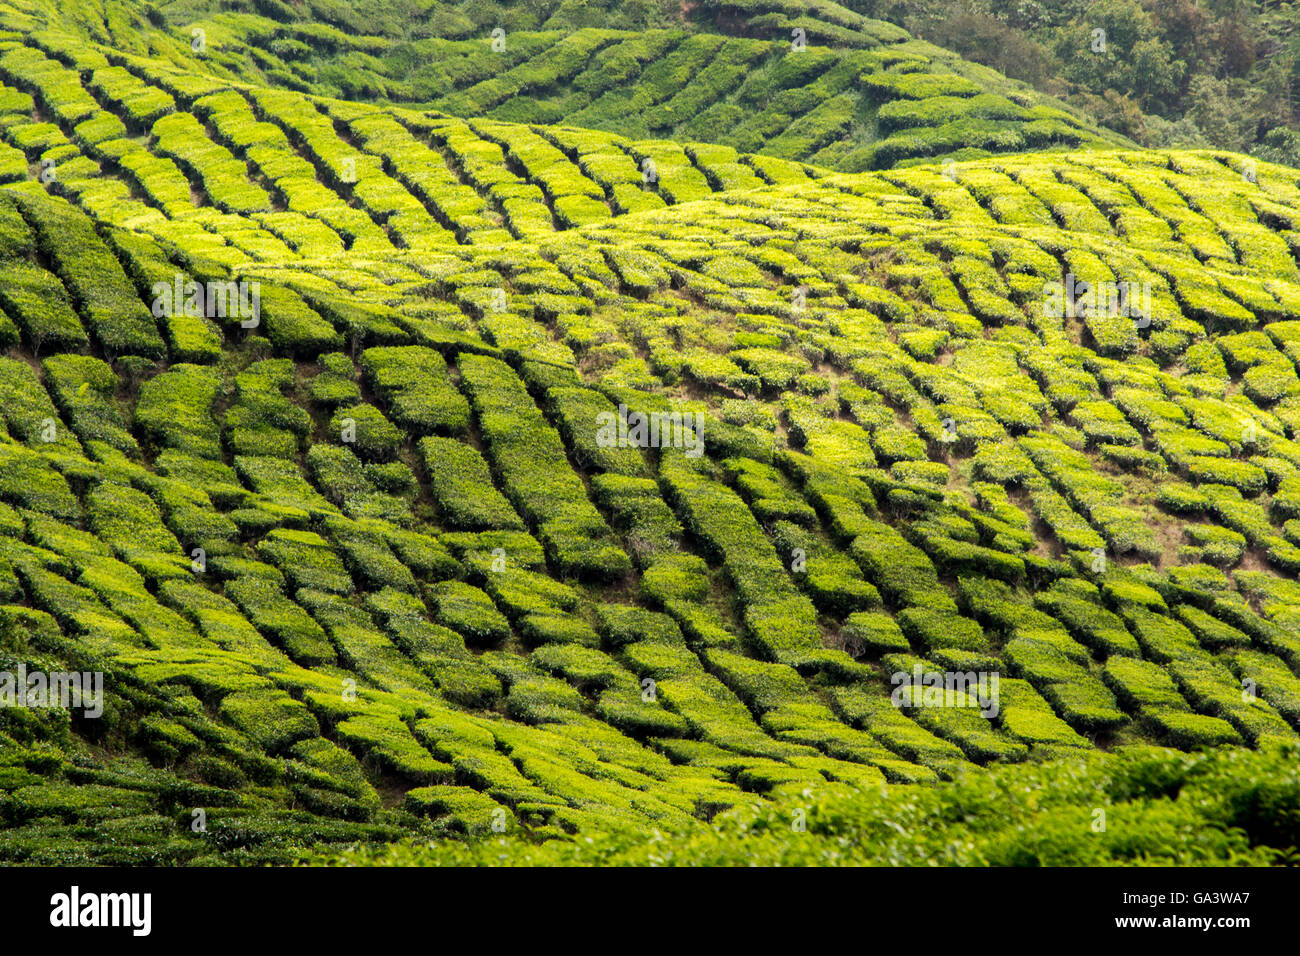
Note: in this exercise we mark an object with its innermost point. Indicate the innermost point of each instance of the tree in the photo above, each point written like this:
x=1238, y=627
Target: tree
x=1187, y=28
x=1226, y=111
x=1115, y=46
x=1279, y=145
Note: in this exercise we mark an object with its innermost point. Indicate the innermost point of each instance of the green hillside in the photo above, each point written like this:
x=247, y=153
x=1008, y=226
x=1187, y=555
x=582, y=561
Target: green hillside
x=1192, y=73
x=360, y=566
x=856, y=94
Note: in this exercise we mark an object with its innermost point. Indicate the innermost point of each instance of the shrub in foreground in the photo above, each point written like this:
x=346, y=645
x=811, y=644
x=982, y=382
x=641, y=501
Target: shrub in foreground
x=1216, y=807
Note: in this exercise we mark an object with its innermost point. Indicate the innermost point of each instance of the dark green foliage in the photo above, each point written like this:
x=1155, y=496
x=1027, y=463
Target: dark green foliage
x=469, y=612
x=934, y=628
x=462, y=486
x=902, y=572
x=366, y=428
x=535, y=471
x=174, y=410
x=414, y=383
x=94, y=278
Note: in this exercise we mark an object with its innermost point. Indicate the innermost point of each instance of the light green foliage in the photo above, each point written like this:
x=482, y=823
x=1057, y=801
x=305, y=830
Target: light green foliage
x=373, y=564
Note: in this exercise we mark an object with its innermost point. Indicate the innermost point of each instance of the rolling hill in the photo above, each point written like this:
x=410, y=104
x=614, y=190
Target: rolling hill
x=833, y=88
x=303, y=445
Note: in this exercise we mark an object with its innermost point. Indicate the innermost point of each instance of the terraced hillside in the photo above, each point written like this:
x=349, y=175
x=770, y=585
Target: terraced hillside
x=361, y=564
x=804, y=82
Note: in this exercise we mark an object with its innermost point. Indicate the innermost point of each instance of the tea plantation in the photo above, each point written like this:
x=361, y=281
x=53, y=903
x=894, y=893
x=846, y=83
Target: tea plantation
x=808, y=80
x=366, y=583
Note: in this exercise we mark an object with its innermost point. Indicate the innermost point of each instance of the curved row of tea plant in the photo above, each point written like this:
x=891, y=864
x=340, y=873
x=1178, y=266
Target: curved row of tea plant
x=366, y=564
